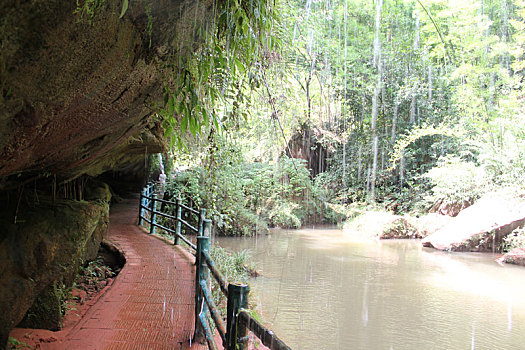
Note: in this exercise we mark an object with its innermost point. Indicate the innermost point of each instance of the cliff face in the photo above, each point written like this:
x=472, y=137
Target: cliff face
x=77, y=97
x=76, y=92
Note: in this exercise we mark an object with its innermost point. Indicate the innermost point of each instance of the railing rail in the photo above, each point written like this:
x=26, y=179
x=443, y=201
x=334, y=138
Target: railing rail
x=234, y=334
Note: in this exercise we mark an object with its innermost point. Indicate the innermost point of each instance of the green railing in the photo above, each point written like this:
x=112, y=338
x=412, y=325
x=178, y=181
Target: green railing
x=234, y=334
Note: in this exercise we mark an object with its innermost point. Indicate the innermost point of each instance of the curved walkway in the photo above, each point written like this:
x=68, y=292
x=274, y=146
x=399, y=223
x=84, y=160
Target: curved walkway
x=151, y=302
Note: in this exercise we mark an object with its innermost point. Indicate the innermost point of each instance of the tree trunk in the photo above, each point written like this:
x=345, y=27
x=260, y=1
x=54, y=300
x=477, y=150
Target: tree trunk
x=394, y=123
x=430, y=83
x=378, y=64
x=413, y=109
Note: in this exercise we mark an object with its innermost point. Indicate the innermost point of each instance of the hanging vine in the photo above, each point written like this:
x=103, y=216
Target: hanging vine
x=206, y=87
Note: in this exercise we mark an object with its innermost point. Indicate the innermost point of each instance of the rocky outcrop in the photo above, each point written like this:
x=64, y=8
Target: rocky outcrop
x=78, y=95
x=43, y=248
x=449, y=209
x=307, y=143
x=399, y=228
x=481, y=226
x=515, y=256
x=430, y=223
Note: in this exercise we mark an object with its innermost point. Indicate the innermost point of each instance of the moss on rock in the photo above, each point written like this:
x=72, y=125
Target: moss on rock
x=46, y=311
x=47, y=244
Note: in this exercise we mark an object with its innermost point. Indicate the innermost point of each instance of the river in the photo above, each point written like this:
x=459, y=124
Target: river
x=324, y=289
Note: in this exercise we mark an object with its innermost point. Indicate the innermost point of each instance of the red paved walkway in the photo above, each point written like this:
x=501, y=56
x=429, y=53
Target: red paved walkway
x=150, y=304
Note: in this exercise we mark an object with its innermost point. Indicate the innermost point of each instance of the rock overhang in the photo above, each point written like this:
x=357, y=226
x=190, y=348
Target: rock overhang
x=79, y=96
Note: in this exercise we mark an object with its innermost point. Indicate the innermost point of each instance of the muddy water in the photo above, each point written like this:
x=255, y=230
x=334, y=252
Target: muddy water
x=323, y=289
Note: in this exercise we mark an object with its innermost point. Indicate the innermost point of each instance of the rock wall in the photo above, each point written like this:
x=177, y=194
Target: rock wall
x=78, y=98
x=306, y=144
x=78, y=94
x=44, y=247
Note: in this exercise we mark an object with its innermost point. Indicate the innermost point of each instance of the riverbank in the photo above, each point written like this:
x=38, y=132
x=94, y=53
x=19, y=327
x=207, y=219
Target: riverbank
x=492, y=224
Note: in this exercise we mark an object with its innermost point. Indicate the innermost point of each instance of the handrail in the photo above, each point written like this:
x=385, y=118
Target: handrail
x=214, y=311
x=187, y=224
x=148, y=204
x=190, y=209
x=223, y=285
x=238, y=321
x=267, y=336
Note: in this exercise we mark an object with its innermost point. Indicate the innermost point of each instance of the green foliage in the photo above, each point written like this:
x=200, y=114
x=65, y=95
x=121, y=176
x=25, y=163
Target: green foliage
x=235, y=267
x=282, y=215
x=244, y=198
x=14, y=343
x=449, y=109
x=516, y=239
x=89, y=9
x=402, y=145
x=456, y=181
x=207, y=86
x=125, y=4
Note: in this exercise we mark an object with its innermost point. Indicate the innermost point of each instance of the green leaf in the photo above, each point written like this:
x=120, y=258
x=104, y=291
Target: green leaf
x=184, y=124
x=125, y=4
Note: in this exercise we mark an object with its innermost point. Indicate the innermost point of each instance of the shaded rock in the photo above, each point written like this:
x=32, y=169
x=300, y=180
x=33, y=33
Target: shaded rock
x=46, y=311
x=307, y=143
x=78, y=95
x=399, y=228
x=481, y=226
x=449, y=209
x=515, y=256
x=47, y=244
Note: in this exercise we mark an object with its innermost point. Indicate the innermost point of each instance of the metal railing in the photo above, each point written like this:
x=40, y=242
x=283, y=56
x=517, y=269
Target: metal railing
x=234, y=334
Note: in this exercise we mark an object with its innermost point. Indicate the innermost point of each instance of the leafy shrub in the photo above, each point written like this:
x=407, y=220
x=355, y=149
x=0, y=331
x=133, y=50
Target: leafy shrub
x=516, y=239
x=245, y=198
x=235, y=267
x=282, y=215
x=456, y=180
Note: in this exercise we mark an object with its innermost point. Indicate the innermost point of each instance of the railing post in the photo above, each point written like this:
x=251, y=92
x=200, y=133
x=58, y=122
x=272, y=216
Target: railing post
x=201, y=270
x=207, y=228
x=153, y=216
x=202, y=216
x=141, y=204
x=235, y=331
x=178, y=224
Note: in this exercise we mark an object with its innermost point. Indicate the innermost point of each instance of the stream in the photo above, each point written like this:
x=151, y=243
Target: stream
x=324, y=289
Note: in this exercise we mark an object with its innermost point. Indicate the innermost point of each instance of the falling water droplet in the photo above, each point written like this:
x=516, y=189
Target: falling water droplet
x=509, y=316
x=473, y=341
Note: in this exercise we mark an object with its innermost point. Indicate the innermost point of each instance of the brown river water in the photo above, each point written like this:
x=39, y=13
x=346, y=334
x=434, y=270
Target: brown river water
x=324, y=289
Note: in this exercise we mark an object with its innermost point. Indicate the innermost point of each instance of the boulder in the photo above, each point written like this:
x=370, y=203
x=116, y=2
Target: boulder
x=430, y=223
x=481, y=226
x=45, y=246
x=515, y=256
x=449, y=208
x=399, y=228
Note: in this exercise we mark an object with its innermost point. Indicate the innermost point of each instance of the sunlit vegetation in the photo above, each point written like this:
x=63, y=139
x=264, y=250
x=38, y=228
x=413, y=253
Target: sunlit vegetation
x=414, y=101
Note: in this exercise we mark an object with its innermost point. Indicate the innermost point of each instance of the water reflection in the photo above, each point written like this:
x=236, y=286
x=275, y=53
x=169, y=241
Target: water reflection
x=325, y=289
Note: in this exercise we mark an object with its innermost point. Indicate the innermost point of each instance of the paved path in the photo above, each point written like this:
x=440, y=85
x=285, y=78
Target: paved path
x=150, y=304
